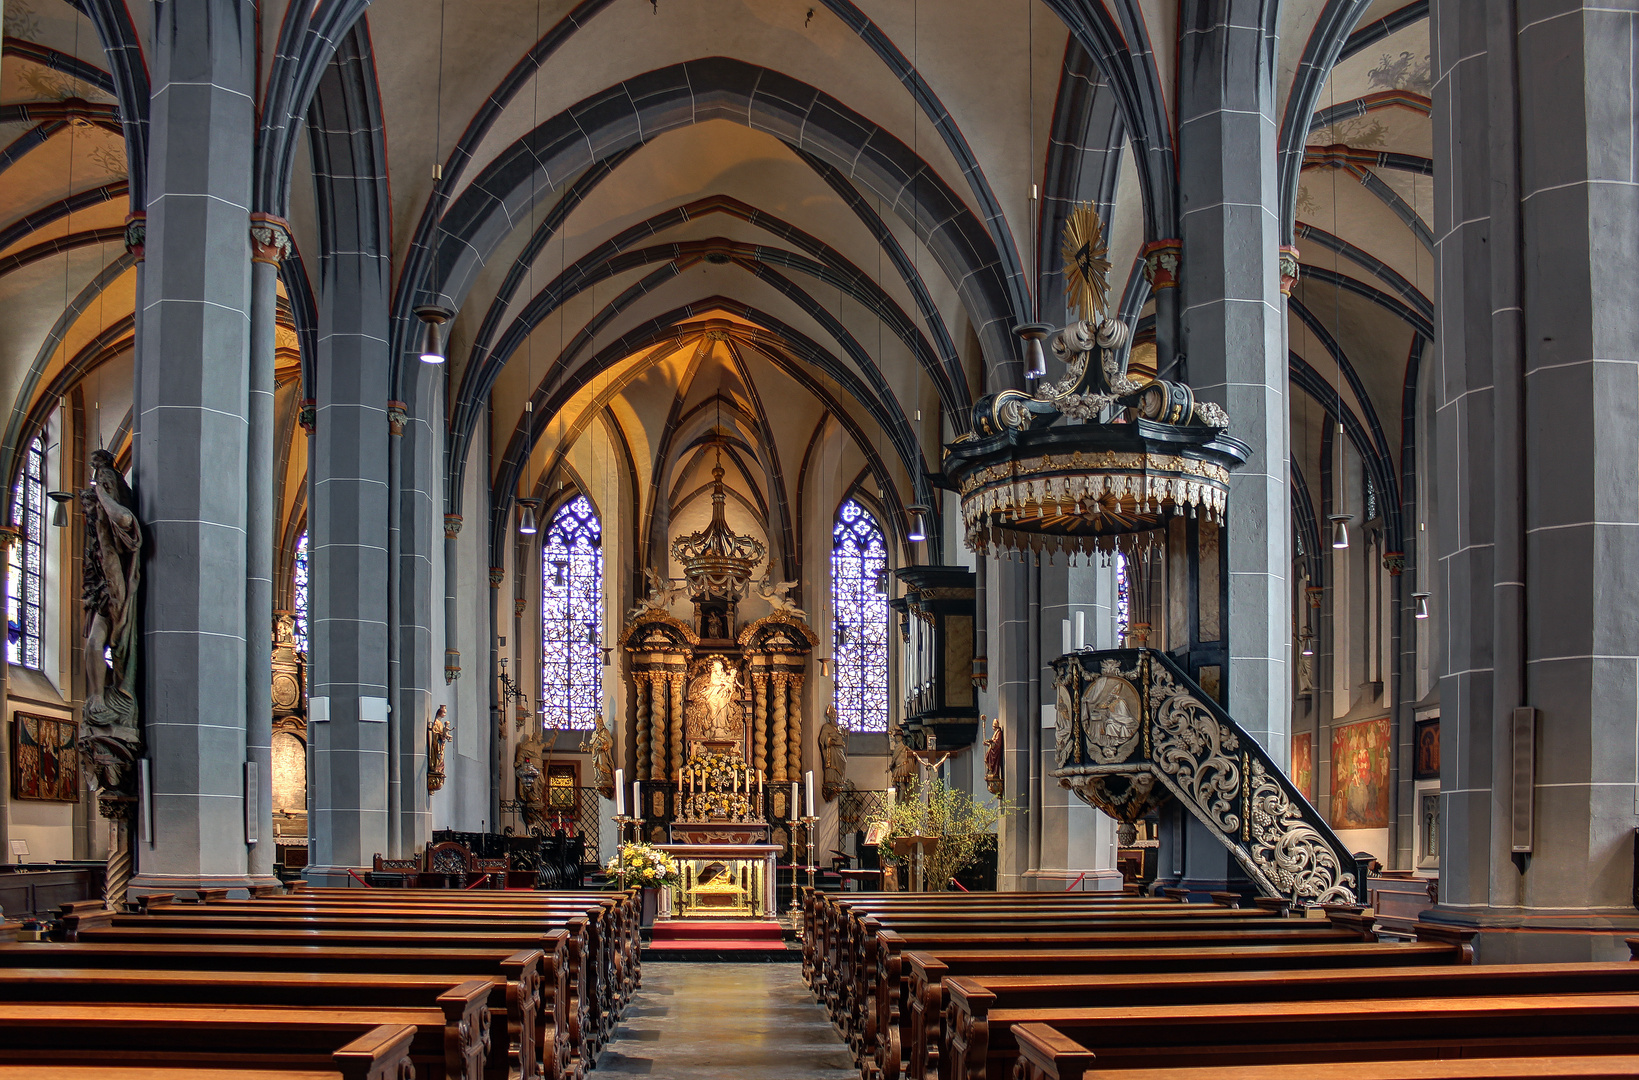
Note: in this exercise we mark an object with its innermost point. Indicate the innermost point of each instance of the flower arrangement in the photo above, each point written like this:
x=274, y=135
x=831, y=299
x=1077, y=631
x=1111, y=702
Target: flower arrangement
x=954, y=816
x=642, y=866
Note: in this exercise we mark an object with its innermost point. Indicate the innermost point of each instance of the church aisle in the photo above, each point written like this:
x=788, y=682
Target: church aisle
x=726, y=1022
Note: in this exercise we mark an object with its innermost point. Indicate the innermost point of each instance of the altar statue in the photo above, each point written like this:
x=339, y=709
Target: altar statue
x=995, y=746
x=438, y=737
x=713, y=713
x=600, y=744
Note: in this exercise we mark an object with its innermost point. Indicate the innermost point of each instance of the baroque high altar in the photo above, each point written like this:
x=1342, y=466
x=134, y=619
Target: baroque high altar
x=718, y=718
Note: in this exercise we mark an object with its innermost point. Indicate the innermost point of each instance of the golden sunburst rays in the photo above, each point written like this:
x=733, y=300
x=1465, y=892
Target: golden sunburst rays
x=1086, y=262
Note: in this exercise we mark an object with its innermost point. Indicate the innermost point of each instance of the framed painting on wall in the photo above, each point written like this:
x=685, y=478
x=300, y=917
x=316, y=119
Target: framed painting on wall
x=1425, y=750
x=1360, y=775
x=45, y=758
x=1303, y=764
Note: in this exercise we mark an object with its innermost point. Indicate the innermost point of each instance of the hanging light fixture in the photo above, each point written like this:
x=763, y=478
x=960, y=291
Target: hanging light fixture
x=558, y=566
x=591, y=633
x=432, y=319
x=526, y=520
x=882, y=581
x=919, y=523
x=1035, y=357
x=841, y=635
x=1306, y=642
x=825, y=667
x=1340, y=530
x=608, y=655
x=1422, y=604
x=59, y=513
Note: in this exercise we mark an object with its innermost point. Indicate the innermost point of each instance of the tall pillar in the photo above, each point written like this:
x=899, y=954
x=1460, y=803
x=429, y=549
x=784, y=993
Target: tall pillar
x=269, y=244
x=1233, y=330
x=417, y=431
x=348, y=514
x=190, y=467
x=1534, y=118
x=1010, y=656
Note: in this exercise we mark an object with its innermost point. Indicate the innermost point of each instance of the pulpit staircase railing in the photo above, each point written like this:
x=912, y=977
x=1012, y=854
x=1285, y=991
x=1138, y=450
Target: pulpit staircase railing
x=1133, y=730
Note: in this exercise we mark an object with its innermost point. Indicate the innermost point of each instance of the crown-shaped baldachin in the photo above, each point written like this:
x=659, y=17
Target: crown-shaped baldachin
x=717, y=561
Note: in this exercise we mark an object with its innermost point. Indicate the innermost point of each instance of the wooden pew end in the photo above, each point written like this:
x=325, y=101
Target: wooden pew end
x=1458, y=937
x=1049, y=1055
x=382, y=1053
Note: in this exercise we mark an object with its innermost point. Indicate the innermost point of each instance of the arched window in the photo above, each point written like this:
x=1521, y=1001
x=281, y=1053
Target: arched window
x=298, y=592
x=1123, y=602
x=25, y=591
x=572, y=617
x=859, y=592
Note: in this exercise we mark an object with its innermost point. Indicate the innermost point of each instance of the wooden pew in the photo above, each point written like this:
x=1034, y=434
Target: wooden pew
x=984, y=1010
x=1221, y=1036
x=874, y=971
x=449, y=1042
x=583, y=1017
x=914, y=1029
x=382, y=1053
x=1049, y=1055
x=518, y=991
x=874, y=984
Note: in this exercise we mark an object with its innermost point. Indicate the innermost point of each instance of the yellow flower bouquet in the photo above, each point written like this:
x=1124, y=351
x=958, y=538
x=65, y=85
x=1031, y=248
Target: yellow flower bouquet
x=643, y=866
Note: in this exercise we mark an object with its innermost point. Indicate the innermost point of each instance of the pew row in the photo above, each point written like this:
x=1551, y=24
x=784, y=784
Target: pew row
x=382, y=1053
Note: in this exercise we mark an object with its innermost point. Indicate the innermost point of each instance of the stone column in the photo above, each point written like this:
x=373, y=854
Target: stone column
x=677, y=727
x=269, y=244
x=657, y=727
x=1233, y=330
x=190, y=468
x=793, y=727
x=1534, y=129
x=1012, y=674
x=640, y=764
x=776, y=754
x=347, y=535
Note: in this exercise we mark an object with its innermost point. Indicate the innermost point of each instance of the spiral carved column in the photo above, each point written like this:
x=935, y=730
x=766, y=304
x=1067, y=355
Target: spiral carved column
x=677, y=726
x=793, y=764
x=777, y=751
x=640, y=681
x=759, y=722
x=657, y=726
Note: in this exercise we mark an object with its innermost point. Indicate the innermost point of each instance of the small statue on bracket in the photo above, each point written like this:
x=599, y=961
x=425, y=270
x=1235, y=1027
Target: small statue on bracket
x=438, y=737
x=531, y=784
x=995, y=747
x=600, y=744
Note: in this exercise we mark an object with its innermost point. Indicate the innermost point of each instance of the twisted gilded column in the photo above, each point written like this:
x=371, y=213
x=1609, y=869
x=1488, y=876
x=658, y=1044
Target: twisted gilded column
x=677, y=724
x=793, y=759
x=640, y=681
x=778, y=754
x=759, y=722
x=657, y=726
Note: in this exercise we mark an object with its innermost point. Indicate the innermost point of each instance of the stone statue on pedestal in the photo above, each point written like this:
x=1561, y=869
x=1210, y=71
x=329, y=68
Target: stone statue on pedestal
x=531, y=784
x=833, y=748
x=600, y=744
x=438, y=737
x=995, y=747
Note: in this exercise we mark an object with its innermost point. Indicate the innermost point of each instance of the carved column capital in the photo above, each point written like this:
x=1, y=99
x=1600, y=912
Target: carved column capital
x=397, y=414
x=452, y=665
x=1162, y=259
x=452, y=526
x=1394, y=562
x=136, y=235
x=1288, y=269
x=308, y=415
x=1313, y=594
x=496, y=573
x=269, y=239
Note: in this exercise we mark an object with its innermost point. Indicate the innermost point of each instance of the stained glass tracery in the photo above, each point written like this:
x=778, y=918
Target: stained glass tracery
x=572, y=617
x=1123, y=601
x=859, y=598
x=299, y=572
x=25, y=589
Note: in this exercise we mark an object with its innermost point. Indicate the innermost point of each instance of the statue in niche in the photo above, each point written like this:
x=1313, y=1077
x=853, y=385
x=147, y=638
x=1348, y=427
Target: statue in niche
x=716, y=626
x=995, y=748
x=778, y=595
x=712, y=713
x=833, y=749
x=600, y=744
x=531, y=784
x=109, y=600
x=438, y=737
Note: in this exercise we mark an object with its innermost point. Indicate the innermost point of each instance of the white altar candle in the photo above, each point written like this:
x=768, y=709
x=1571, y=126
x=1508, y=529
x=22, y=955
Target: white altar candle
x=637, y=798
x=620, y=794
x=793, y=810
x=891, y=794
x=1081, y=629
x=809, y=778
x=1066, y=635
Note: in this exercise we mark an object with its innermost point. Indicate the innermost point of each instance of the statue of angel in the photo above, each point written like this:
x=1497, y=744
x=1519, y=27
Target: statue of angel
x=662, y=594
x=777, y=593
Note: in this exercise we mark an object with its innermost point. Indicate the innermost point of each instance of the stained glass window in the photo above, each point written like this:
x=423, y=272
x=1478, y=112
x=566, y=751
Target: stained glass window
x=1123, y=601
x=859, y=597
x=25, y=591
x=572, y=617
x=298, y=599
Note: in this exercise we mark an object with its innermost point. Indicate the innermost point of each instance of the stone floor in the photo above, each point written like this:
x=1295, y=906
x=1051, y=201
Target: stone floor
x=725, y=1022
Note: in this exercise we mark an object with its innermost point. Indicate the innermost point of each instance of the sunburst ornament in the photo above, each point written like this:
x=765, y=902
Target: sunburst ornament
x=1086, y=262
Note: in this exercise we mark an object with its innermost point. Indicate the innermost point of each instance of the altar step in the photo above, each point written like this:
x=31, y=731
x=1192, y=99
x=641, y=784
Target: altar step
x=736, y=940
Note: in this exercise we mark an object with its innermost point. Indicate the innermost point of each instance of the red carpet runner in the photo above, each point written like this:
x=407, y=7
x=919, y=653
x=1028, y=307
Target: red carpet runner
x=698, y=939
